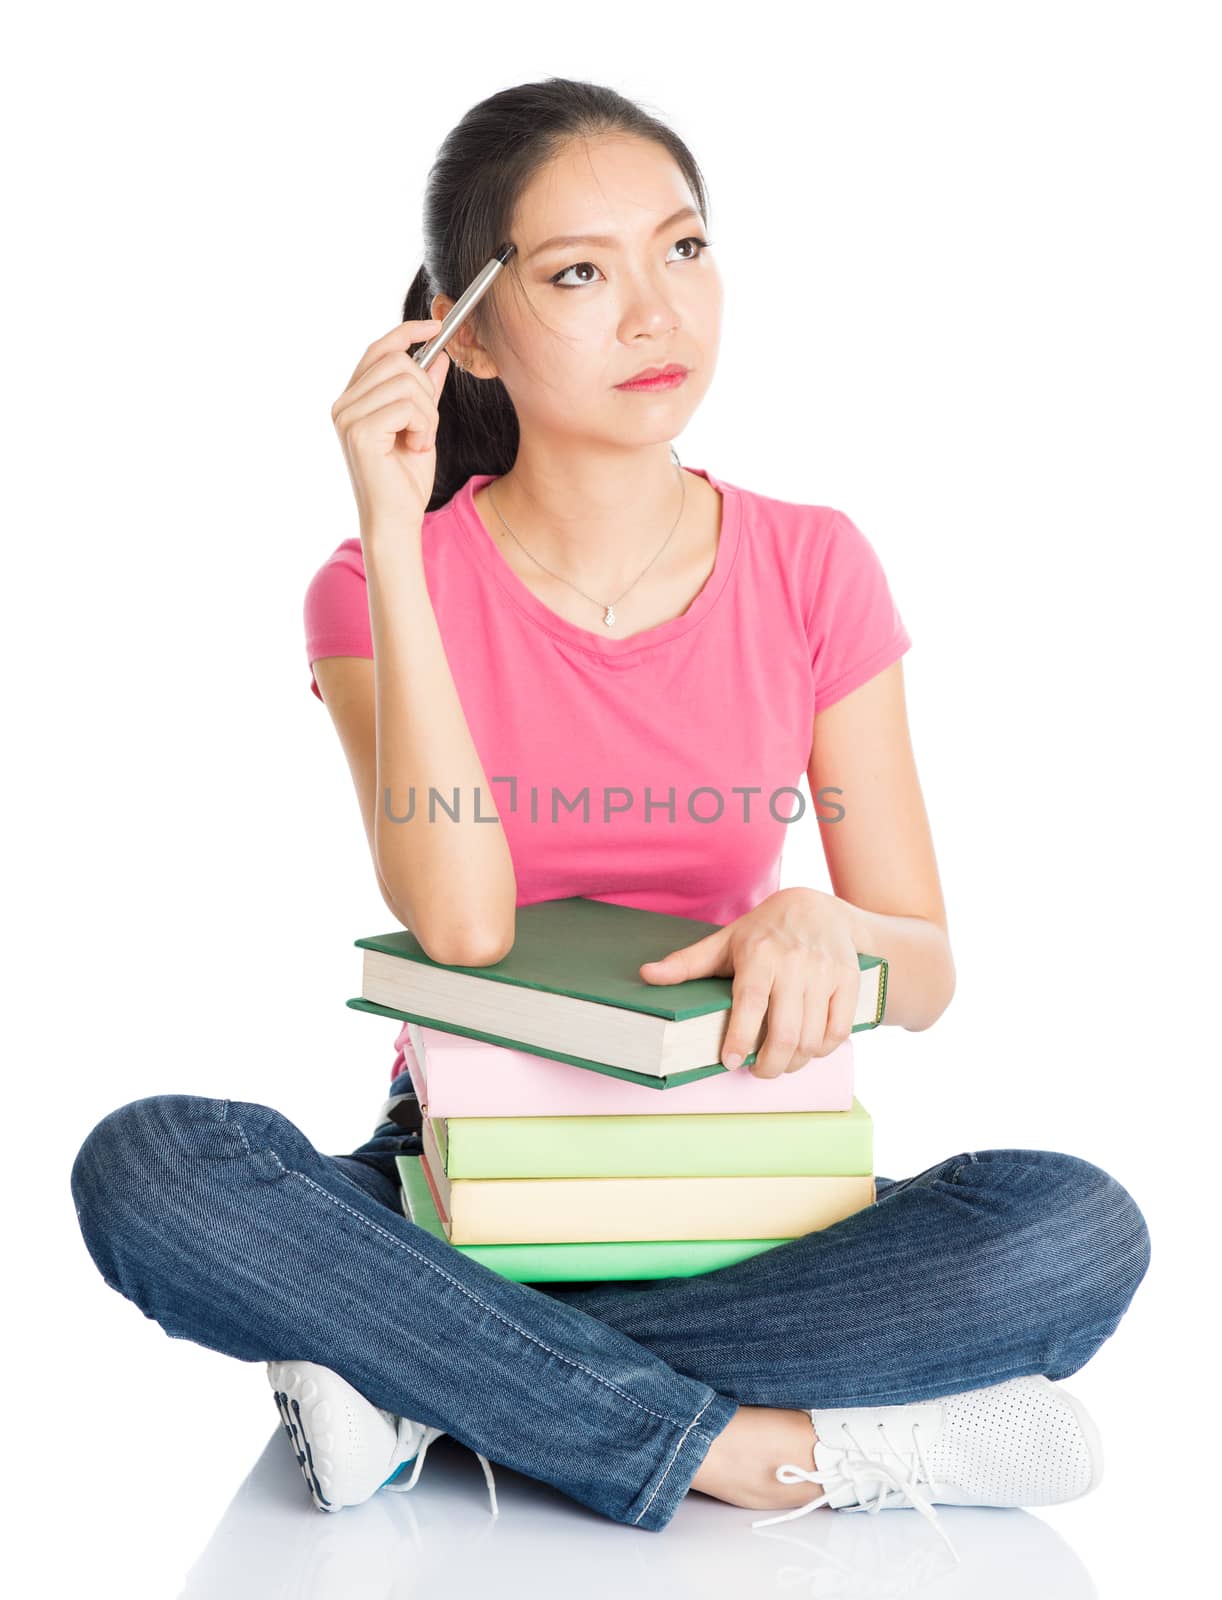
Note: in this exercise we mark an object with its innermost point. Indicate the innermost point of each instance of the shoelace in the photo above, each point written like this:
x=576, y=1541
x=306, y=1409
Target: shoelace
x=863, y=1469
x=429, y=1435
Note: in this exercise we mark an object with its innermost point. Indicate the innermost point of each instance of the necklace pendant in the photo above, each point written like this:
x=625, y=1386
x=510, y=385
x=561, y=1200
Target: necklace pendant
x=609, y=619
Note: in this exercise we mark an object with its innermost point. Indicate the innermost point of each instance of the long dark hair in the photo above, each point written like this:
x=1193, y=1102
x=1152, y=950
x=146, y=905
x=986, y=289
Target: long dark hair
x=473, y=186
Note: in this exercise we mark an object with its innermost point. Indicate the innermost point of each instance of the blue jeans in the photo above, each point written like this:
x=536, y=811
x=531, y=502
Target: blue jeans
x=223, y=1223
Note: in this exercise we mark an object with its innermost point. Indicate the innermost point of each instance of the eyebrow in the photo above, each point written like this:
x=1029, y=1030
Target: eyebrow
x=604, y=239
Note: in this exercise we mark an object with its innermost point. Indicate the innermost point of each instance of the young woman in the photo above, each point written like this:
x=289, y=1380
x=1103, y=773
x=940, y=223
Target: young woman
x=543, y=602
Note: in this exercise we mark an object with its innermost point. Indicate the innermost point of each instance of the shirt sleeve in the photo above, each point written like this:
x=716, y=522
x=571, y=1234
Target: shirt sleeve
x=337, y=611
x=855, y=628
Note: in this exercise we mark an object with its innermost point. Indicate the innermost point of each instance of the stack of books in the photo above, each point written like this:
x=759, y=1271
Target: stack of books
x=578, y=1123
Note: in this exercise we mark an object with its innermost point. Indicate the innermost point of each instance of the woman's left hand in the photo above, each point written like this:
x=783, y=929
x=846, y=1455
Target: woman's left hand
x=792, y=956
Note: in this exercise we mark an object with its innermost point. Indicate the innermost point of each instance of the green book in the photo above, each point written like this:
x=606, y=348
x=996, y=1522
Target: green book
x=596, y=1263
x=714, y=1145
x=570, y=989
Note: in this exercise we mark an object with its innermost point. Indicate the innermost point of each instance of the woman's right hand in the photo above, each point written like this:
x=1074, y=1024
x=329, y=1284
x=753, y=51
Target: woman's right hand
x=387, y=424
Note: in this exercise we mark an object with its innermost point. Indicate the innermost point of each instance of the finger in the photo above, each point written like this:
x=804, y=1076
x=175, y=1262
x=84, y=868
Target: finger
x=436, y=375
x=705, y=958
x=784, y=1024
x=814, y=1025
x=380, y=425
x=398, y=414
x=842, y=1012
x=399, y=337
x=751, y=989
x=672, y=968
x=395, y=363
x=396, y=391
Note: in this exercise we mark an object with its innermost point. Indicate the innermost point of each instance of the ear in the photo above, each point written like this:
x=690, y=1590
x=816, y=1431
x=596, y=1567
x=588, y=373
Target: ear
x=464, y=350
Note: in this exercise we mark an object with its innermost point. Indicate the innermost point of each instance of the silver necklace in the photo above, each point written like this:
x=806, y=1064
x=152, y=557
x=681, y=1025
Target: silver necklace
x=608, y=606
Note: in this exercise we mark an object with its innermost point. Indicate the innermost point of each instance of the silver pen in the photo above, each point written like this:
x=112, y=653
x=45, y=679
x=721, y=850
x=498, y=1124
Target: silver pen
x=463, y=307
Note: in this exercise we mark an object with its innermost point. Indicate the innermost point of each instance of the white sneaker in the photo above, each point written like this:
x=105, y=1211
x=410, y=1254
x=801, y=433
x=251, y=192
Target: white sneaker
x=348, y=1448
x=1025, y=1442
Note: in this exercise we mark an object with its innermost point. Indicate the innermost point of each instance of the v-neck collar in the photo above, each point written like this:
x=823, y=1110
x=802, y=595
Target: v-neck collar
x=480, y=543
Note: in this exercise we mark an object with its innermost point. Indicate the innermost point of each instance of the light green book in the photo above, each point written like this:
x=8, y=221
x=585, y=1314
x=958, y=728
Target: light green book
x=598, y=1262
x=715, y=1145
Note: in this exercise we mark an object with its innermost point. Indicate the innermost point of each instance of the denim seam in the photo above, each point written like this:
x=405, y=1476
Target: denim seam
x=441, y=1272
x=238, y=1126
x=673, y=1459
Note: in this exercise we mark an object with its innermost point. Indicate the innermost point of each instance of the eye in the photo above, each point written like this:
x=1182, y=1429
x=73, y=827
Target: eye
x=701, y=246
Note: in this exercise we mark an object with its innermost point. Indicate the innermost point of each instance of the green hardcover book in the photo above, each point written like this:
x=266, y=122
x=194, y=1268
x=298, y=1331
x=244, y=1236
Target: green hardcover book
x=571, y=989
x=715, y=1145
x=561, y=1263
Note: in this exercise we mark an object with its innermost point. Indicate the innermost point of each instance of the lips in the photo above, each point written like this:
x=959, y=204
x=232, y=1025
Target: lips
x=656, y=378
x=673, y=370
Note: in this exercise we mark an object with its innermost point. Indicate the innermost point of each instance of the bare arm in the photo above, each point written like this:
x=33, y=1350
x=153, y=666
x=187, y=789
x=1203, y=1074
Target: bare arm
x=880, y=854
x=401, y=723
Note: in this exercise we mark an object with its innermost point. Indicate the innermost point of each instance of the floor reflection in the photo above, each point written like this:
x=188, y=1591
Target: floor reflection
x=272, y=1544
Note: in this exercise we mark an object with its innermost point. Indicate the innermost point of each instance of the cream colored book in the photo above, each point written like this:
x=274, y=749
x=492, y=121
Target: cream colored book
x=587, y=1210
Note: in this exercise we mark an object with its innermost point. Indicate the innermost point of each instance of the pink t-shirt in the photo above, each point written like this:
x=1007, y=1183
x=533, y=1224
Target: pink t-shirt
x=659, y=770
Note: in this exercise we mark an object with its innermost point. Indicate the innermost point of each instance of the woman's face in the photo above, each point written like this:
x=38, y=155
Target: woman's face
x=581, y=317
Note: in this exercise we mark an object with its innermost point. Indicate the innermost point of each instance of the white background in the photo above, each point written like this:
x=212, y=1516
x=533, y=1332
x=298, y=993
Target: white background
x=971, y=266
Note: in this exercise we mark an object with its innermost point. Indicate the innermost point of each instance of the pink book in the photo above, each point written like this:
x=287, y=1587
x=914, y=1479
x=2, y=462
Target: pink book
x=460, y=1077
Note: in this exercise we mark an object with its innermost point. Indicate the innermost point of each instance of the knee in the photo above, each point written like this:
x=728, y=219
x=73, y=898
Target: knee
x=1091, y=1244
x=131, y=1165
x=1098, y=1223
x=127, y=1147
x=1098, y=1251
